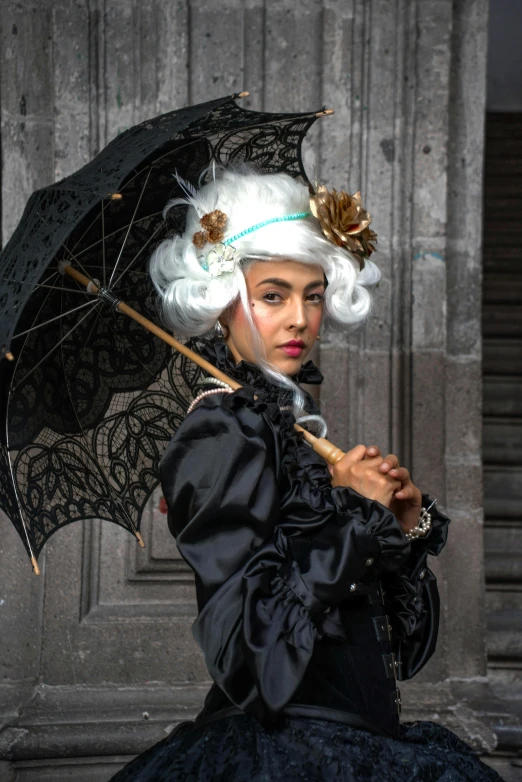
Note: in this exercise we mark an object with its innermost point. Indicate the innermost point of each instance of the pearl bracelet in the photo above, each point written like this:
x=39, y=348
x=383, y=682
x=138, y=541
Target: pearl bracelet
x=423, y=525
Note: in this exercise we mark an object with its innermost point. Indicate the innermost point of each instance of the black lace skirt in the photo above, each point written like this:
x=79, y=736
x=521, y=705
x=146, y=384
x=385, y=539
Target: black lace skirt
x=239, y=749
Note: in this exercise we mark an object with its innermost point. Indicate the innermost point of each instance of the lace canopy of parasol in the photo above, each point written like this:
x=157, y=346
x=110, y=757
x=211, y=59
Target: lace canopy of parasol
x=91, y=398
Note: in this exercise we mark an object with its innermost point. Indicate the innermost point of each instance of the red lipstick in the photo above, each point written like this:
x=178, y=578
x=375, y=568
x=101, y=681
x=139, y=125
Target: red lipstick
x=293, y=348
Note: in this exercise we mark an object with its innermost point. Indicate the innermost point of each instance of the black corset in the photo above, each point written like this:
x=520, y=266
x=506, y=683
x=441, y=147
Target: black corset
x=351, y=681
x=358, y=675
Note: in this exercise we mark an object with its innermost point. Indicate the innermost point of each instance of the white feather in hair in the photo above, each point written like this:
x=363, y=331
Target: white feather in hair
x=192, y=197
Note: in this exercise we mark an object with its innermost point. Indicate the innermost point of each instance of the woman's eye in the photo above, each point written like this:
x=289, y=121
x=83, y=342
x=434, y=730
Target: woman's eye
x=273, y=297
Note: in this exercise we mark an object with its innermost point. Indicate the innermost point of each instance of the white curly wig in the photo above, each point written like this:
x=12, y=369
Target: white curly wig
x=192, y=299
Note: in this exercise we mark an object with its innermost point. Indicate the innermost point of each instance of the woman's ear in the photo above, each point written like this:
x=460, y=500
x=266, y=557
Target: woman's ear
x=224, y=318
x=222, y=325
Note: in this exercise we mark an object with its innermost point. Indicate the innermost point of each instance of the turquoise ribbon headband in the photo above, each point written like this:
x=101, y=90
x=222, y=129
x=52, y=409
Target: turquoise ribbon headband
x=297, y=216
x=223, y=256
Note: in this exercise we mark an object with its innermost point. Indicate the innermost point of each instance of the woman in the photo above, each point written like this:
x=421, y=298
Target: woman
x=313, y=590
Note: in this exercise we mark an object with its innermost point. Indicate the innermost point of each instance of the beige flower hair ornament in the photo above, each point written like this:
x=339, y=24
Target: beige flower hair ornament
x=344, y=221
x=220, y=259
x=213, y=224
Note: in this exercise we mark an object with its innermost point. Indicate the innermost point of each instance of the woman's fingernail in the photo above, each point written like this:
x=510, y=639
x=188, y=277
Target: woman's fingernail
x=385, y=465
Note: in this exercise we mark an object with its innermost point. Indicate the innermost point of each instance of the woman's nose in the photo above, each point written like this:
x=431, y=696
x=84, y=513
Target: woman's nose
x=297, y=315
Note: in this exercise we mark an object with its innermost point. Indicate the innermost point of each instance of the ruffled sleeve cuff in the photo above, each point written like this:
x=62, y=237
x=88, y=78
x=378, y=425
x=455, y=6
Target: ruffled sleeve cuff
x=405, y=588
x=413, y=598
x=381, y=536
x=325, y=618
x=278, y=633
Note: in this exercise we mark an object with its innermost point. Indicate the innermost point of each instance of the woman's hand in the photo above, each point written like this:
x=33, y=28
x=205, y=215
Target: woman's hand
x=406, y=502
x=360, y=471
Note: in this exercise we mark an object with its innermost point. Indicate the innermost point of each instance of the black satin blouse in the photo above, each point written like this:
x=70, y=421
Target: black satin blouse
x=311, y=600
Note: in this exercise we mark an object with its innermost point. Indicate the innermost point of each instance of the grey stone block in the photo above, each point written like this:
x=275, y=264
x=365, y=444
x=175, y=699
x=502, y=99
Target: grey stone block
x=21, y=598
x=171, y=49
x=428, y=310
x=464, y=485
x=72, y=721
x=79, y=769
x=464, y=286
x=431, y=111
x=465, y=175
x=7, y=772
x=338, y=395
x=215, y=67
x=139, y=625
x=355, y=397
x=464, y=575
x=27, y=114
x=463, y=408
x=428, y=385
x=71, y=64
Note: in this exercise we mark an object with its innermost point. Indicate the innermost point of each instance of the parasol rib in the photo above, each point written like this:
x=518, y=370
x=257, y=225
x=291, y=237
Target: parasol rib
x=321, y=445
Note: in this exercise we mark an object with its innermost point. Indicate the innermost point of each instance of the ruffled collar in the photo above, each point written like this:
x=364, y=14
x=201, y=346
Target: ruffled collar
x=251, y=375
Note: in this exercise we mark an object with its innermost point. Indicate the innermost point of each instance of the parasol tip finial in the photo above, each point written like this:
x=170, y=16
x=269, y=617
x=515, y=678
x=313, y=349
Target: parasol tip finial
x=34, y=563
x=243, y=95
x=9, y=356
x=325, y=113
x=140, y=539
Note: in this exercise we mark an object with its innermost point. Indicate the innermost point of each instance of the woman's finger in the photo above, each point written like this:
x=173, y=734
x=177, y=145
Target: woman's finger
x=396, y=487
x=405, y=493
x=390, y=462
x=356, y=454
x=372, y=451
x=401, y=473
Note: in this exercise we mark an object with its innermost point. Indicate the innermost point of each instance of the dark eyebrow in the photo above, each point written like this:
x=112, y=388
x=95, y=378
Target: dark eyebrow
x=285, y=284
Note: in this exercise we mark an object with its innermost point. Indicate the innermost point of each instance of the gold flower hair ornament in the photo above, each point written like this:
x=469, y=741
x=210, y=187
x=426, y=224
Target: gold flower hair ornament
x=344, y=221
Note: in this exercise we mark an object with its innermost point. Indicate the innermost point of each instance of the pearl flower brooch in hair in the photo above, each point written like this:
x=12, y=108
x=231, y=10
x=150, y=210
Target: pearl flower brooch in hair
x=221, y=258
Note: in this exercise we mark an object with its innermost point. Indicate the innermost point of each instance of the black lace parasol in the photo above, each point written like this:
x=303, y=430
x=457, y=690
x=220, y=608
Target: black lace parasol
x=90, y=398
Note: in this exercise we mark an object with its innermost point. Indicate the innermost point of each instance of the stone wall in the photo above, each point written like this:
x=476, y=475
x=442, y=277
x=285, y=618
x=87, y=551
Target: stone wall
x=97, y=659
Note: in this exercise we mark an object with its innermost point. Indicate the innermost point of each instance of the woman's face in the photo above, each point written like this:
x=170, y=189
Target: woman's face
x=286, y=300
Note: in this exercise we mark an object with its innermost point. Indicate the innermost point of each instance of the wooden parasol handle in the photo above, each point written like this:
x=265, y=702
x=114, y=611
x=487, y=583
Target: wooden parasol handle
x=321, y=445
